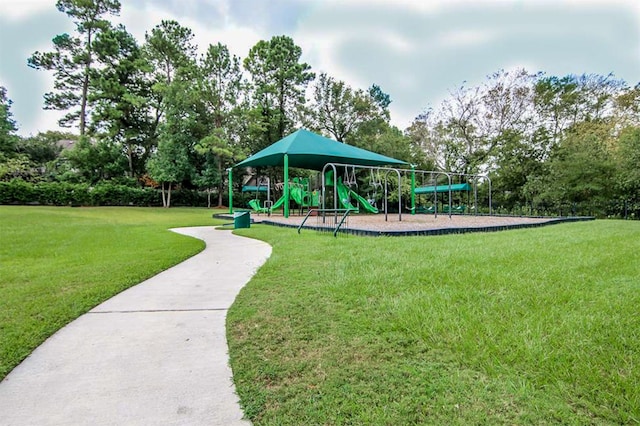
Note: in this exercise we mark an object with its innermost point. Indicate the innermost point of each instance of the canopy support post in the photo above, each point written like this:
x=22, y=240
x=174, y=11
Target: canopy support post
x=230, y=171
x=413, y=189
x=286, y=185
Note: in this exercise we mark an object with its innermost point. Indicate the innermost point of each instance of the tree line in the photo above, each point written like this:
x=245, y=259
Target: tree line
x=158, y=114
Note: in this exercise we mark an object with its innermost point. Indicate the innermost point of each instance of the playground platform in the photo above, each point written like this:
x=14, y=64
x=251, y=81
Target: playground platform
x=412, y=225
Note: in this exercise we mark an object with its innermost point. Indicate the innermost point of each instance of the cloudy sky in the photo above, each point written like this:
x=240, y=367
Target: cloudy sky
x=417, y=51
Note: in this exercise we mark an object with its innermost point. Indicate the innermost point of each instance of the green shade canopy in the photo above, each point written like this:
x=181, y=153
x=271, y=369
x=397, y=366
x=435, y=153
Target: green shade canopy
x=443, y=188
x=308, y=150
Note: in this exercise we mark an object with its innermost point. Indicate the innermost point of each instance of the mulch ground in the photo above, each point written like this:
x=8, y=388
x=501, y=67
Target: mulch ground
x=407, y=223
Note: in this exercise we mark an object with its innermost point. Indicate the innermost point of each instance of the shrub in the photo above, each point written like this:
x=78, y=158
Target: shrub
x=18, y=191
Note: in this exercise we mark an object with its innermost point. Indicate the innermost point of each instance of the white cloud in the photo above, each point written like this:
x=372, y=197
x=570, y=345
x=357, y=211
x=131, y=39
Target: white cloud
x=415, y=50
x=421, y=6
x=20, y=9
x=238, y=39
x=464, y=38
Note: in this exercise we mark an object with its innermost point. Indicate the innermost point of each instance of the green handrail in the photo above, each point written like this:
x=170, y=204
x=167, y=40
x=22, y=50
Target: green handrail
x=338, y=226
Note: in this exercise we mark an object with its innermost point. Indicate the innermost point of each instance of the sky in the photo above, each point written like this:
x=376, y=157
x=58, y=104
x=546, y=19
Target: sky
x=417, y=51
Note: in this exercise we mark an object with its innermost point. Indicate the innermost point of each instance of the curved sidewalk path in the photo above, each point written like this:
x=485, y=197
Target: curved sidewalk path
x=155, y=354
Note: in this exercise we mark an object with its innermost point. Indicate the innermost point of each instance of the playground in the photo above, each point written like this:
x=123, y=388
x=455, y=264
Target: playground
x=352, y=190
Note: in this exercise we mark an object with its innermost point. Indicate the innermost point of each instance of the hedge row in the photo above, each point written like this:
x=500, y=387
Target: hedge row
x=104, y=194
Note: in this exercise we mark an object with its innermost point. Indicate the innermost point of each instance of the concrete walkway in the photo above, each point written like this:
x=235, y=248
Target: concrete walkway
x=155, y=354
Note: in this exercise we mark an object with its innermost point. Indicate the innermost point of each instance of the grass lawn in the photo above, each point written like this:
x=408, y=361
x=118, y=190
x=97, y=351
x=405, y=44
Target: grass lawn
x=536, y=326
x=57, y=263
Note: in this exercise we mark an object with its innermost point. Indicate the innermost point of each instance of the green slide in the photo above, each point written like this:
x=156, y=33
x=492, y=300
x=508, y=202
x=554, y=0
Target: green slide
x=255, y=205
x=364, y=203
x=277, y=203
x=343, y=195
x=297, y=196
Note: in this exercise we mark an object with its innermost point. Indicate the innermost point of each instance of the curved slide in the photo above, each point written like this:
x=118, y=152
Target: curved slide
x=345, y=193
x=255, y=205
x=295, y=194
x=278, y=203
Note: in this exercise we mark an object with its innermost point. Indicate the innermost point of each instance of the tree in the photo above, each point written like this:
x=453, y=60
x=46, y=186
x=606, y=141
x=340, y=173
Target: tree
x=379, y=136
x=582, y=170
x=628, y=158
x=381, y=99
x=72, y=58
x=43, y=147
x=338, y=110
x=169, y=165
x=454, y=139
x=278, y=82
x=94, y=161
x=464, y=133
x=178, y=109
x=627, y=107
x=13, y=164
x=17, y=167
x=519, y=169
x=220, y=89
x=426, y=135
x=168, y=48
x=8, y=138
x=121, y=94
x=218, y=154
x=562, y=102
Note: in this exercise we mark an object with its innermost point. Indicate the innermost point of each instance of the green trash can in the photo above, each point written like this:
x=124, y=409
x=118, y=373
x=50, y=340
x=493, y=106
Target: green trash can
x=242, y=220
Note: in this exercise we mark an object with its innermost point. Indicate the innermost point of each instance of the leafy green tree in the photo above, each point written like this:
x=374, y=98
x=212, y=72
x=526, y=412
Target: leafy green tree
x=17, y=167
x=44, y=147
x=168, y=48
x=278, y=82
x=379, y=136
x=208, y=176
x=338, y=110
x=381, y=99
x=178, y=110
x=519, y=169
x=426, y=135
x=562, y=102
x=175, y=105
x=582, y=169
x=121, y=92
x=556, y=104
x=221, y=84
x=449, y=138
x=627, y=107
x=73, y=58
x=221, y=90
x=464, y=133
x=169, y=165
x=8, y=138
x=94, y=161
x=218, y=153
x=628, y=176
x=184, y=125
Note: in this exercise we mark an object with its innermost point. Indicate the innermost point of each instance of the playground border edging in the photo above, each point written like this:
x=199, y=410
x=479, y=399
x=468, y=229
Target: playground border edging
x=430, y=232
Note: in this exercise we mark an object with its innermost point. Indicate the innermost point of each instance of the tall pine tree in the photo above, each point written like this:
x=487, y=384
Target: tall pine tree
x=73, y=58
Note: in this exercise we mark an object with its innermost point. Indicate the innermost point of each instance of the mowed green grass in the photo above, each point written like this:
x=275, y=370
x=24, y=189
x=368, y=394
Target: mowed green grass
x=537, y=326
x=57, y=263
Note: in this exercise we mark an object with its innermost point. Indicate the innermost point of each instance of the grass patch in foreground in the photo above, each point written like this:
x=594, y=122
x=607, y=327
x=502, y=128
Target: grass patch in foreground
x=536, y=326
x=57, y=263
